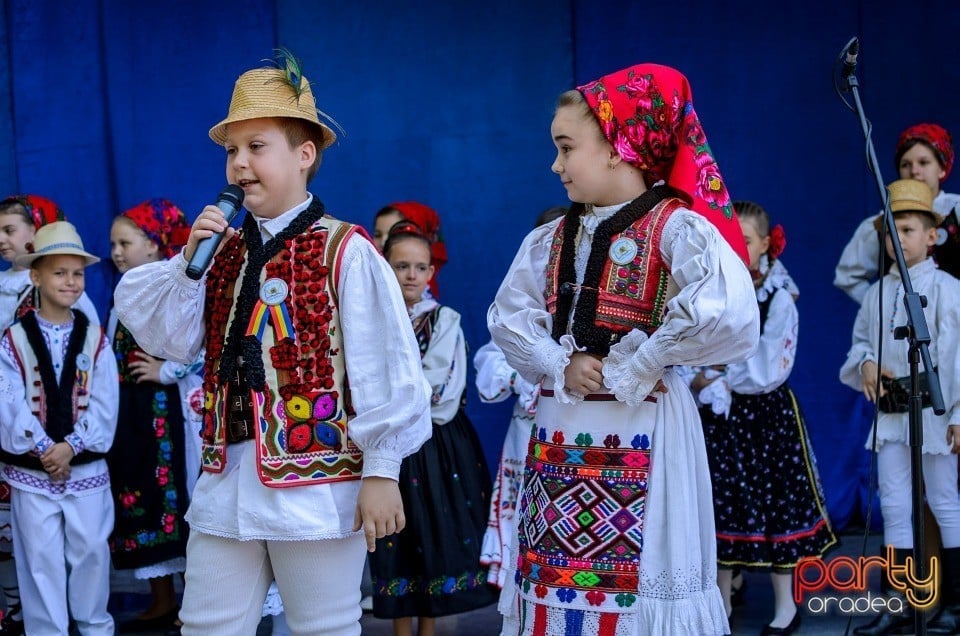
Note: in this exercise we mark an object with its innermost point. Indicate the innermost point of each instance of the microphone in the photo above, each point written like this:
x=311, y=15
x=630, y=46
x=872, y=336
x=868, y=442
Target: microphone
x=229, y=203
x=850, y=62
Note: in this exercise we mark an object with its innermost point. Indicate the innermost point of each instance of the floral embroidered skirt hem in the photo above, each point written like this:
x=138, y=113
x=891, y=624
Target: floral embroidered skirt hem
x=768, y=499
x=147, y=477
x=432, y=568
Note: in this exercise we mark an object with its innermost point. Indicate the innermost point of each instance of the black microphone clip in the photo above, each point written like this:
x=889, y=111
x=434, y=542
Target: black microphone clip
x=850, y=61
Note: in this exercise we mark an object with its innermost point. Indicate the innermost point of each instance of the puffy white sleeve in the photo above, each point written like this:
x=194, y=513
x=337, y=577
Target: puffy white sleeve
x=97, y=425
x=390, y=395
x=858, y=262
x=496, y=379
x=163, y=309
x=863, y=343
x=771, y=365
x=518, y=318
x=948, y=345
x=445, y=366
x=713, y=319
x=20, y=430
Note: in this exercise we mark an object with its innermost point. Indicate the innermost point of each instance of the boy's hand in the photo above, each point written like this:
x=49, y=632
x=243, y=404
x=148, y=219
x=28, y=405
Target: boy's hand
x=868, y=375
x=379, y=510
x=146, y=368
x=57, y=458
x=211, y=221
x=584, y=374
x=953, y=438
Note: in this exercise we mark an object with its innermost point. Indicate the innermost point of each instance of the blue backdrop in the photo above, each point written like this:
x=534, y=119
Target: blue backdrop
x=106, y=103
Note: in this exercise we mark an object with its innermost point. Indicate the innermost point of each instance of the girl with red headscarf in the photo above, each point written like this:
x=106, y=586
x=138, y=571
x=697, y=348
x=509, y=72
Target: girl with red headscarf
x=20, y=218
x=156, y=452
x=425, y=218
x=645, y=271
x=925, y=153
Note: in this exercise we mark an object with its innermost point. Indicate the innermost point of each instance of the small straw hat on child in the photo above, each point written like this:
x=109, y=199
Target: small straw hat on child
x=270, y=92
x=60, y=237
x=910, y=195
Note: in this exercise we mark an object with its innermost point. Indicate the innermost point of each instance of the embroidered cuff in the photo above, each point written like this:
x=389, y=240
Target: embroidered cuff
x=630, y=370
x=75, y=443
x=568, y=348
x=550, y=359
x=381, y=464
x=43, y=445
x=863, y=360
x=180, y=273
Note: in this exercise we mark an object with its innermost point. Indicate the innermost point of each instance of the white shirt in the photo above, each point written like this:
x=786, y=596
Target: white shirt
x=497, y=380
x=943, y=320
x=163, y=309
x=21, y=431
x=858, y=262
x=445, y=362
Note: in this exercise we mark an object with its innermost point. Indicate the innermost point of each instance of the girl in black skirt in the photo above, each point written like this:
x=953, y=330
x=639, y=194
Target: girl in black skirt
x=432, y=568
x=768, y=500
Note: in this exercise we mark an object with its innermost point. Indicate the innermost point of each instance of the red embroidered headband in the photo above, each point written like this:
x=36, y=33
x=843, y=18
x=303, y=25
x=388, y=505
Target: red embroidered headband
x=934, y=136
x=646, y=113
x=42, y=211
x=163, y=223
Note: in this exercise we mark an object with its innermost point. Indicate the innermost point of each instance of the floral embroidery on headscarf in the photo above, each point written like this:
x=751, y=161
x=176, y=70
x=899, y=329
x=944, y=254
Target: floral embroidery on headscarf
x=646, y=113
x=42, y=210
x=934, y=136
x=163, y=223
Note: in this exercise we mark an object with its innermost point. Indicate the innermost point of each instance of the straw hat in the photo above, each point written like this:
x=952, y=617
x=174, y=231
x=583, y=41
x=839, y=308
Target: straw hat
x=55, y=238
x=910, y=195
x=267, y=92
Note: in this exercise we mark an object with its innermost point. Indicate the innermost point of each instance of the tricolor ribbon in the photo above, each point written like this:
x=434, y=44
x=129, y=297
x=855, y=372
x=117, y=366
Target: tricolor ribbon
x=276, y=314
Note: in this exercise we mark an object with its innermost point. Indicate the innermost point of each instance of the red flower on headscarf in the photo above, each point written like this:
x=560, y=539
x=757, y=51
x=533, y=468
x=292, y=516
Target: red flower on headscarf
x=428, y=221
x=42, y=210
x=934, y=136
x=646, y=113
x=778, y=241
x=163, y=223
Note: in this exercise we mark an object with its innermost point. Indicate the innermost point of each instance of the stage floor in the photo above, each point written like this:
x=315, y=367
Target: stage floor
x=130, y=597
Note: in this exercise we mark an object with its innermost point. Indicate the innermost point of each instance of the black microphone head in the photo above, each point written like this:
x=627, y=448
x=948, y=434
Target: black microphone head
x=854, y=47
x=233, y=194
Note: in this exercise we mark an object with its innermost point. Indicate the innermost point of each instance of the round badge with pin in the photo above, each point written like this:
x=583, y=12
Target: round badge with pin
x=623, y=250
x=83, y=362
x=274, y=291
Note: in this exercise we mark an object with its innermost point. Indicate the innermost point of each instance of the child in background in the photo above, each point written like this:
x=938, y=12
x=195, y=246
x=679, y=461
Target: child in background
x=424, y=217
x=57, y=421
x=154, y=443
x=767, y=497
x=498, y=381
x=20, y=218
x=432, y=567
x=616, y=529
x=924, y=153
x=916, y=224
x=291, y=303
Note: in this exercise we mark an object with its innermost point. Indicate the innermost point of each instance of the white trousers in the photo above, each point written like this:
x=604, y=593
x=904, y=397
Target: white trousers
x=227, y=581
x=63, y=561
x=940, y=485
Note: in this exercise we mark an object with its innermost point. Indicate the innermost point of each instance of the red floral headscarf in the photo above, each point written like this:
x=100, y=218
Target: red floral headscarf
x=41, y=209
x=934, y=136
x=428, y=221
x=646, y=113
x=163, y=223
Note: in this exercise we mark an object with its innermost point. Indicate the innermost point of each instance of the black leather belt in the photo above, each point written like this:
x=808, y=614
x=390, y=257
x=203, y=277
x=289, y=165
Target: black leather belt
x=240, y=424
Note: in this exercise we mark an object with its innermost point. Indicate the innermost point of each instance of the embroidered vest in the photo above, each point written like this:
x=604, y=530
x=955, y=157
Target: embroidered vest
x=301, y=415
x=614, y=297
x=37, y=397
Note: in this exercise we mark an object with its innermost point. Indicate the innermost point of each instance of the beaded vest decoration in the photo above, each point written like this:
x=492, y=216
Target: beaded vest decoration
x=298, y=388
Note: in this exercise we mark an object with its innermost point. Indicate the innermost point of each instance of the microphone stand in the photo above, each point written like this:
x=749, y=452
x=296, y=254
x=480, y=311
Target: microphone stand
x=915, y=332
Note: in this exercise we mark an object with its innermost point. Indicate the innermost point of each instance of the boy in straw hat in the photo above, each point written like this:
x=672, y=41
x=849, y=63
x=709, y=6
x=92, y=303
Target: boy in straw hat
x=294, y=465
x=58, y=379
x=916, y=221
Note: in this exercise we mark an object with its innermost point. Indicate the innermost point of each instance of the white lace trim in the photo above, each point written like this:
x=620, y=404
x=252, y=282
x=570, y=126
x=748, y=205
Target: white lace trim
x=623, y=373
x=776, y=277
x=164, y=568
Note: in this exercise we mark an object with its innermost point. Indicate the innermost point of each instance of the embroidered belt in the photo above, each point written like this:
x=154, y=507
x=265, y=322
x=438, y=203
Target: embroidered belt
x=239, y=424
x=597, y=397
